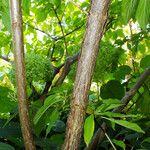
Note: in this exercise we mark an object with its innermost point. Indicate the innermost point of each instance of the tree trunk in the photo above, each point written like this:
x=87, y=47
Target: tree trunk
x=17, y=32
x=95, y=27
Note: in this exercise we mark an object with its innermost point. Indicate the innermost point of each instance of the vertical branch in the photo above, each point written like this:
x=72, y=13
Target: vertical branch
x=17, y=32
x=95, y=27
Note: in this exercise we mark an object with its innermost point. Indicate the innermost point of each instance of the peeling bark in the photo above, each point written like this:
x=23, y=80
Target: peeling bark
x=95, y=27
x=17, y=32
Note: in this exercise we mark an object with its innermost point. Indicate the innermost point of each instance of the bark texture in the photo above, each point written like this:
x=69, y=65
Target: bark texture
x=94, y=31
x=17, y=32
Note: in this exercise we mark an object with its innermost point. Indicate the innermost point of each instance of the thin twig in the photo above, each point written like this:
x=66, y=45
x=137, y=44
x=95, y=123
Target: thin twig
x=6, y=59
x=53, y=38
x=62, y=30
x=79, y=7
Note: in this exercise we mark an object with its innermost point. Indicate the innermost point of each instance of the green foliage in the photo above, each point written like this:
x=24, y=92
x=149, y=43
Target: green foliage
x=51, y=100
x=143, y=102
x=138, y=9
x=145, y=62
x=126, y=124
x=5, y=146
x=6, y=103
x=143, y=13
x=26, y=6
x=5, y=12
x=108, y=105
x=38, y=68
x=119, y=143
x=121, y=72
x=106, y=61
x=89, y=126
x=123, y=56
x=11, y=129
x=52, y=119
x=113, y=89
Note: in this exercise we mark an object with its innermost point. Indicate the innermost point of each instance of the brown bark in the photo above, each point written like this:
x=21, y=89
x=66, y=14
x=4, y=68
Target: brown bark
x=17, y=32
x=95, y=28
x=99, y=135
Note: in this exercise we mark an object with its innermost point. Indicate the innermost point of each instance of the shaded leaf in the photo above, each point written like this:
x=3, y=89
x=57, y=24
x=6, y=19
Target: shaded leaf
x=6, y=103
x=122, y=71
x=119, y=143
x=48, y=103
x=52, y=119
x=113, y=89
x=145, y=62
x=126, y=124
x=4, y=146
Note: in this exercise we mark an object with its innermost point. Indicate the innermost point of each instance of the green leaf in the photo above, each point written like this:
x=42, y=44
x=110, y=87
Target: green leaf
x=26, y=6
x=11, y=129
x=113, y=89
x=145, y=62
x=108, y=105
x=143, y=102
x=122, y=71
x=52, y=119
x=6, y=103
x=41, y=14
x=119, y=143
x=57, y=139
x=126, y=124
x=147, y=140
x=4, y=146
x=143, y=13
x=116, y=115
x=51, y=100
x=6, y=14
x=88, y=129
x=55, y=2
x=59, y=126
x=129, y=9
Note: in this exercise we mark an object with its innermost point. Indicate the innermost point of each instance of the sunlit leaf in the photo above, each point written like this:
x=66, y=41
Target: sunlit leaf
x=143, y=13
x=88, y=129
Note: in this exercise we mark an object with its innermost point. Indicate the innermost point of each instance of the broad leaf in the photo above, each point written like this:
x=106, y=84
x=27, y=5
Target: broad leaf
x=143, y=13
x=145, y=62
x=26, y=6
x=52, y=119
x=122, y=71
x=6, y=103
x=129, y=9
x=51, y=100
x=126, y=124
x=4, y=146
x=88, y=129
x=113, y=89
x=119, y=143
